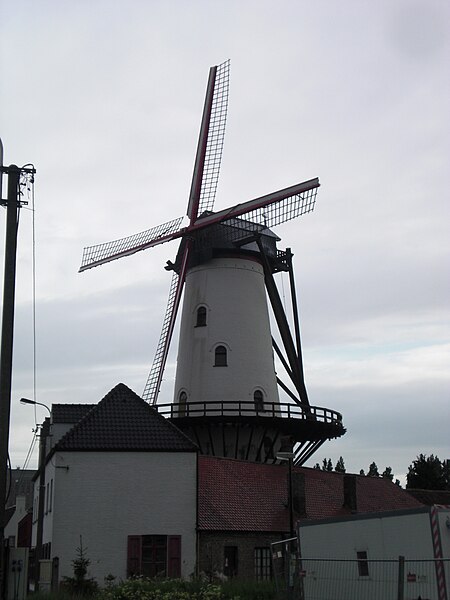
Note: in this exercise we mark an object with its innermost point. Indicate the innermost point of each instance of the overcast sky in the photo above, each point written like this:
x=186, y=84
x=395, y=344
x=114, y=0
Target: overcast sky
x=105, y=98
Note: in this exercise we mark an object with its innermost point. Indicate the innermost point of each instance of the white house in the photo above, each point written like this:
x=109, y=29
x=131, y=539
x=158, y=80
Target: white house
x=360, y=554
x=123, y=480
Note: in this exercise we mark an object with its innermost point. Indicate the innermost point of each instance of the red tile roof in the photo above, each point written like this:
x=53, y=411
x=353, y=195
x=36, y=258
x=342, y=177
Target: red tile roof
x=430, y=497
x=243, y=496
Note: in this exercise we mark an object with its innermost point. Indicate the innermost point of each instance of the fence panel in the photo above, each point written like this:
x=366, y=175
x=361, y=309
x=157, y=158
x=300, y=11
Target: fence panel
x=427, y=579
x=339, y=579
x=363, y=579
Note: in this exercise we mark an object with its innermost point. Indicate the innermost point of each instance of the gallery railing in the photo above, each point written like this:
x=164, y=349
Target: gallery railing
x=247, y=408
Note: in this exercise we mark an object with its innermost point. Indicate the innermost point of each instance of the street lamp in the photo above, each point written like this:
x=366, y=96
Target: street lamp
x=28, y=401
x=290, y=569
x=41, y=471
x=289, y=457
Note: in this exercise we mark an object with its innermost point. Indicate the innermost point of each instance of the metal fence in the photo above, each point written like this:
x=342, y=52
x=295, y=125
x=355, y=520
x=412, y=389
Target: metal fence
x=352, y=579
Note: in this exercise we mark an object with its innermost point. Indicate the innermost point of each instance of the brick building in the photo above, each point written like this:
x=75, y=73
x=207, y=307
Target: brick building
x=146, y=502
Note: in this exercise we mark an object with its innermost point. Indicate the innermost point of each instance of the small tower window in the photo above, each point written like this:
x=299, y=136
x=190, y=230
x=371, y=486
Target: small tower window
x=258, y=399
x=182, y=399
x=201, y=316
x=220, y=357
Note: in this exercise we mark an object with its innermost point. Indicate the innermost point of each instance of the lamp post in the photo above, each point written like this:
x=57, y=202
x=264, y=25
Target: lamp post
x=289, y=457
x=41, y=469
x=28, y=401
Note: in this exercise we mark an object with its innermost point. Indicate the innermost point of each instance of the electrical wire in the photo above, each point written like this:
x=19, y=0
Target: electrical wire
x=28, y=457
x=33, y=236
x=30, y=451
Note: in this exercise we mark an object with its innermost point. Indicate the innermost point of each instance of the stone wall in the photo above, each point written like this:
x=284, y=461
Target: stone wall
x=212, y=551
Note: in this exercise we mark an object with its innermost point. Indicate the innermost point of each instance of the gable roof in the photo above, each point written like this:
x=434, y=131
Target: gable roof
x=243, y=496
x=69, y=413
x=122, y=421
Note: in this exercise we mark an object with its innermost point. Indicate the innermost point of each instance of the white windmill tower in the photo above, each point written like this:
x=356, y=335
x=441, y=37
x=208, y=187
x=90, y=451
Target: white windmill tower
x=226, y=388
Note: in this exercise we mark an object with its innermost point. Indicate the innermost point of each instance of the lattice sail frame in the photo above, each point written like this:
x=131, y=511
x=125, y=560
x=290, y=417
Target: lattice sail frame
x=279, y=211
x=216, y=135
x=93, y=256
x=151, y=386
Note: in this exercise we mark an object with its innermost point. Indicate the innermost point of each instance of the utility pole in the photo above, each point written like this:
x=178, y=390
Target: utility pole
x=13, y=204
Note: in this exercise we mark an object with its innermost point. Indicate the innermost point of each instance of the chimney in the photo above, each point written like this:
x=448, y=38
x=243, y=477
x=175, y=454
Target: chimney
x=299, y=493
x=350, y=500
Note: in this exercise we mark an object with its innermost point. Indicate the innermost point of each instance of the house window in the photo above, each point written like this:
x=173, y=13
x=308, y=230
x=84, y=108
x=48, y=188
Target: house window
x=201, y=317
x=46, y=550
x=46, y=498
x=263, y=565
x=34, y=509
x=154, y=556
x=230, y=561
x=363, y=565
x=220, y=357
x=258, y=399
x=51, y=496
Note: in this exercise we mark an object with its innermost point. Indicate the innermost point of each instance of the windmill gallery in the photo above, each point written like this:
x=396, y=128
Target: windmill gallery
x=201, y=484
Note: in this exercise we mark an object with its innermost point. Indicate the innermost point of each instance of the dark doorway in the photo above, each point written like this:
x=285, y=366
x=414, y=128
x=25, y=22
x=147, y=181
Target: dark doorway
x=230, y=561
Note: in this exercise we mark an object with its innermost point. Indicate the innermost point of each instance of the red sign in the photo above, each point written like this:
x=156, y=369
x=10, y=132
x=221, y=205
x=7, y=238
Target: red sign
x=411, y=578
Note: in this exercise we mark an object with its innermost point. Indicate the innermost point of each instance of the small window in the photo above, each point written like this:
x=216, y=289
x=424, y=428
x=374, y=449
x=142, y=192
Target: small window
x=182, y=400
x=50, y=500
x=220, y=357
x=263, y=565
x=258, y=399
x=201, y=317
x=363, y=565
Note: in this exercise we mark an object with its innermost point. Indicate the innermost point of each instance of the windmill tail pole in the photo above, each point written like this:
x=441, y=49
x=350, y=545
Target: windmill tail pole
x=12, y=209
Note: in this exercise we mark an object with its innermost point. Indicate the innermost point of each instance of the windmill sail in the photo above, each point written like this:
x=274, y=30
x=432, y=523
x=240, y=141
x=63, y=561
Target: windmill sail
x=93, y=256
x=216, y=134
x=151, y=389
x=210, y=142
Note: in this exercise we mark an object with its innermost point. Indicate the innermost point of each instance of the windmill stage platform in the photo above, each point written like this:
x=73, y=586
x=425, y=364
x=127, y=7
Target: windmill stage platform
x=238, y=430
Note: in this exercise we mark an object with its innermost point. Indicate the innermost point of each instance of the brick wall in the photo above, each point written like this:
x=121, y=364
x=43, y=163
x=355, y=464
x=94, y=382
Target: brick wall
x=212, y=549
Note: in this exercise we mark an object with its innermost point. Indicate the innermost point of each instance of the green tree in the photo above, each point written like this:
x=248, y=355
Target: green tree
x=79, y=584
x=428, y=473
x=388, y=474
x=327, y=465
x=340, y=466
x=317, y=466
x=373, y=470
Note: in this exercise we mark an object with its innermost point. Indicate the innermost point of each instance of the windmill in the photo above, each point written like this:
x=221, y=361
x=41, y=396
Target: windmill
x=226, y=388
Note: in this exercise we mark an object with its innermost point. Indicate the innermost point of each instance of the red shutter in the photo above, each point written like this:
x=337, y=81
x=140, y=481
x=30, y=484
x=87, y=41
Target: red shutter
x=134, y=555
x=174, y=556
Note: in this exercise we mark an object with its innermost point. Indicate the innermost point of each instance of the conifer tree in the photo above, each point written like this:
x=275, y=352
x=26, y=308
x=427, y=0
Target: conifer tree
x=373, y=470
x=340, y=466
